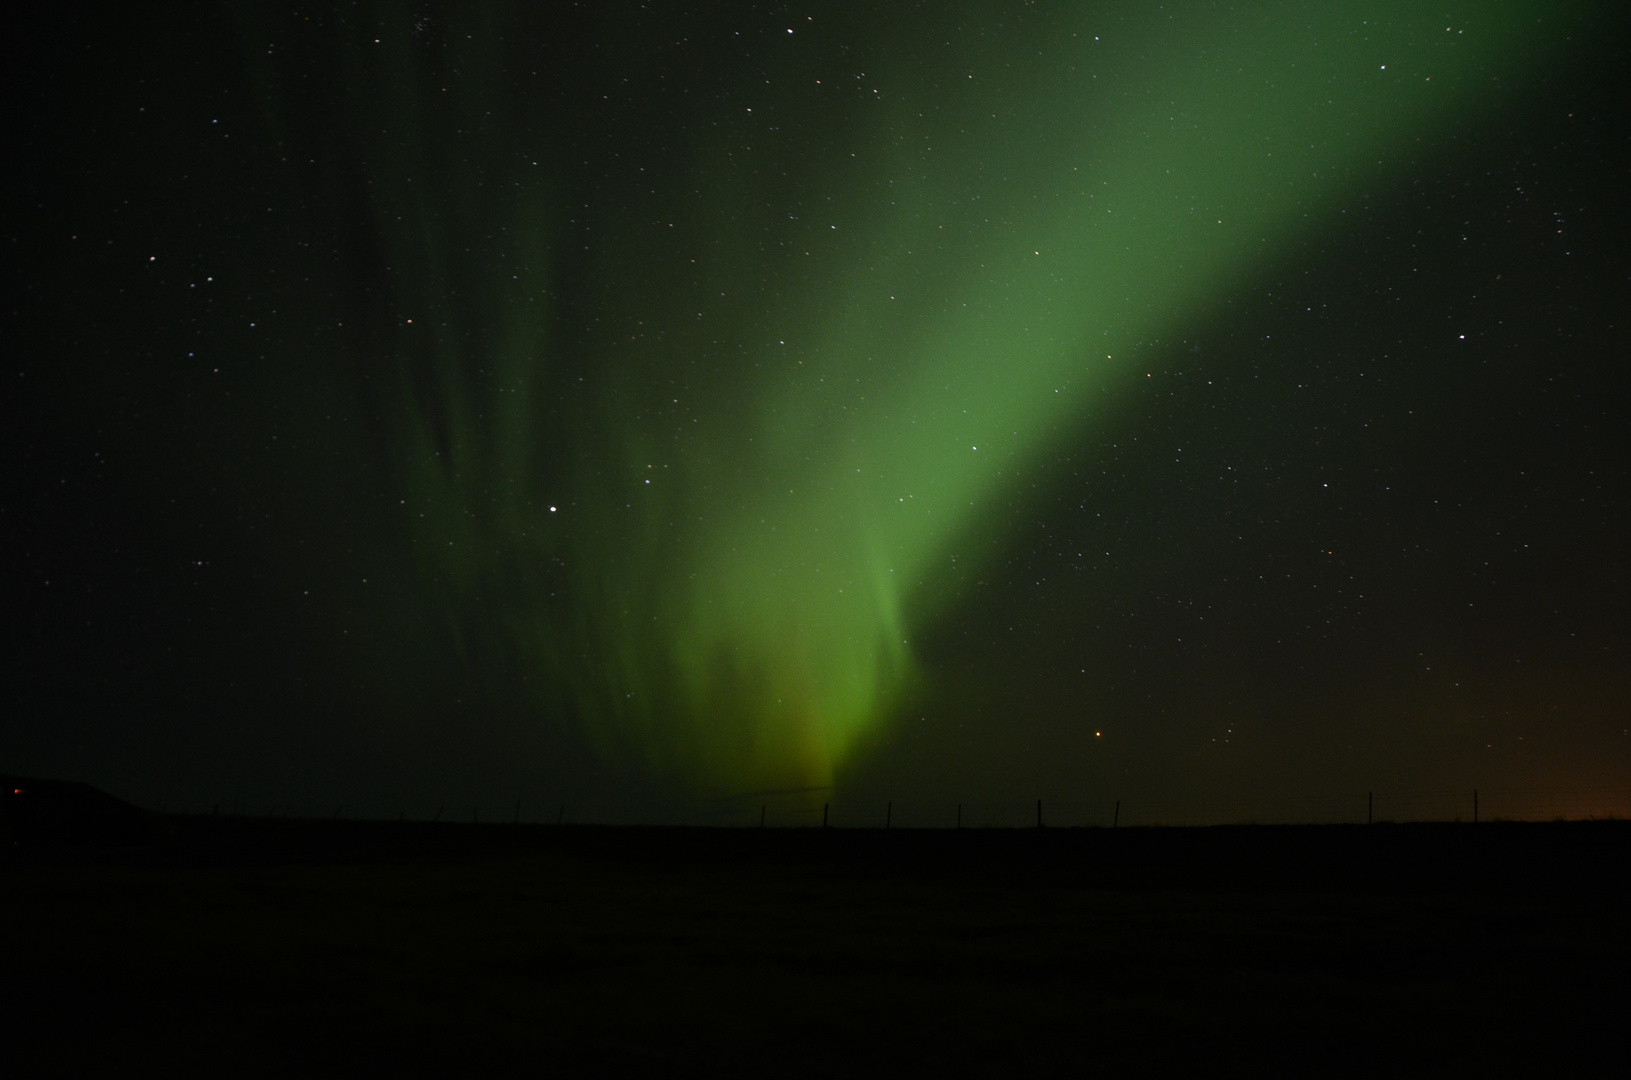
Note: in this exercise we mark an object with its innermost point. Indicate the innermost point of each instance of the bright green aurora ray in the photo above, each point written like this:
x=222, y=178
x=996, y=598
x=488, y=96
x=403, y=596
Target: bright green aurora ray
x=814, y=353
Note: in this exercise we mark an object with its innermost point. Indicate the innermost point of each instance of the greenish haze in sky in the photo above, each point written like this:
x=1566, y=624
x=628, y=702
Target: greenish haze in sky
x=700, y=455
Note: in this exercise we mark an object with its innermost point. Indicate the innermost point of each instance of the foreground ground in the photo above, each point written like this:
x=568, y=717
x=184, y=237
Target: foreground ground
x=265, y=948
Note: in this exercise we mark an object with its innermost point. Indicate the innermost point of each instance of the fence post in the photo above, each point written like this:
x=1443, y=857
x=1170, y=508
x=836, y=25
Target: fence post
x=824, y=808
x=1475, y=806
x=959, y=815
x=1370, y=805
x=518, y=811
x=1117, y=819
x=1039, y=813
x=888, y=813
x=761, y=816
x=561, y=817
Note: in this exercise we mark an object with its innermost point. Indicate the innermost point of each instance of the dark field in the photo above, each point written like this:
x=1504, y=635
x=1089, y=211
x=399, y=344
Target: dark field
x=236, y=947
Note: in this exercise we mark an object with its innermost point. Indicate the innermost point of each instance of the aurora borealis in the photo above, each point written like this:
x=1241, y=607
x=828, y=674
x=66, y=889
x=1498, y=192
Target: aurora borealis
x=628, y=403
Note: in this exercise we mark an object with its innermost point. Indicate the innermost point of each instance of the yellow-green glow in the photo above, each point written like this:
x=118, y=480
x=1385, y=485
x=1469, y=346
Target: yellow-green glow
x=815, y=373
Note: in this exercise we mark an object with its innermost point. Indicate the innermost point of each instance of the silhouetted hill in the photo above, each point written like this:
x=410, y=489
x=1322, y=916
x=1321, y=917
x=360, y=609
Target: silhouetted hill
x=36, y=813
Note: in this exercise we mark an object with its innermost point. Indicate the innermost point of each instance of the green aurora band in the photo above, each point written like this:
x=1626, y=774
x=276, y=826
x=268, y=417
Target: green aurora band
x=697, y=454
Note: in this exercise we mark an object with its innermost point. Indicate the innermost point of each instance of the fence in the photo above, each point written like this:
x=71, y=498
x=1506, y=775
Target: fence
x=818, y=808
x=1470, y=804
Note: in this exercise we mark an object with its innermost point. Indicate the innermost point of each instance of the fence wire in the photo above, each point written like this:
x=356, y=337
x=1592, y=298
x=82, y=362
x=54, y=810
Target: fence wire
x=1469, y=804
x=824, y=807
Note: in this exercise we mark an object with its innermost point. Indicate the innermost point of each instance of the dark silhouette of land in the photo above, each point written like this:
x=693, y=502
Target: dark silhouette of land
x=221, y=944
x=41, y=814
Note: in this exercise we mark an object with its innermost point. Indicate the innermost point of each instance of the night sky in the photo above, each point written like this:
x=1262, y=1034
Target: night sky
x=641, y=408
